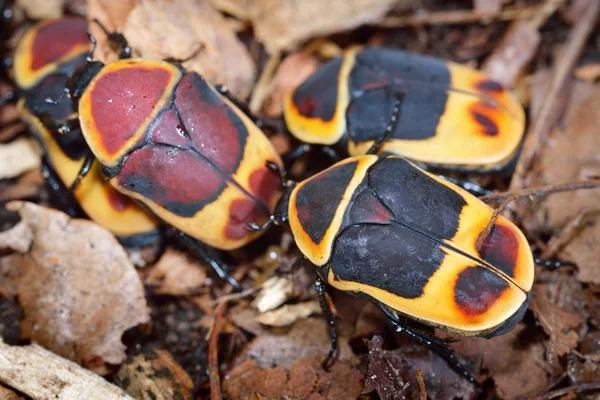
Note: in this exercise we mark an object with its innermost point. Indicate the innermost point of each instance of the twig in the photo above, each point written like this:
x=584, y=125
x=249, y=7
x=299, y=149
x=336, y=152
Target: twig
x=263, y=86
x=422, y=387
x=568, y=232
x=541, y=126
x=486, y=231
x=213, y=348
x=458, y=17
x=543, y=190
x=583, y=387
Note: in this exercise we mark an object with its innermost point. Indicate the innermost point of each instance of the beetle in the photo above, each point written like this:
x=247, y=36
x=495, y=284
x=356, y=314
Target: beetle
x=451, y=116
x=45, y=59
x=418, y=246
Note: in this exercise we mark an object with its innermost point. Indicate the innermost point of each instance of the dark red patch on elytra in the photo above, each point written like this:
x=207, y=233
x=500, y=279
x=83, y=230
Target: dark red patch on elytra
x=168, y=129
x=241, y=212
x=119, y=202
x=477, y=289
x=367, y=208
x=178, y=180
x=489, y=126
x=56, y=39
x=306, y=106
x=263, y=185
x=501, y=249
x=214, y=129
x=490, y=86
x=123, y=100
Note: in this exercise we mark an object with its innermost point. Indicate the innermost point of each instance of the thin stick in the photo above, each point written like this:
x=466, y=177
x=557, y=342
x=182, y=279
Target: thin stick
x=543, y=190
x=583, y=387
x=263, y=86
x=568, y=232
x=458, y=17
x=562, y=71
x=422, y=387
x=486, y=231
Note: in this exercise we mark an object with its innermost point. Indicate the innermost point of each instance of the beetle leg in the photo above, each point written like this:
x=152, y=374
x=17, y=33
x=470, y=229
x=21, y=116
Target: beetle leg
x=118, y=41
x=322, y=292
x=57, y=189
x=389, y=130
x=217, y=265
x=295, y=154
x=85, y=168
x=552, y=264
x=9, y=97
x=469, y=186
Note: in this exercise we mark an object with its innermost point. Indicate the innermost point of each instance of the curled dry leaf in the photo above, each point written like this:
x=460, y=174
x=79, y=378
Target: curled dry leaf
x=292, y=71
x=41, y=9
x=113, y=15
x=78, y=290
x=284, y=25
x=176, y=274
x=393, y=374
x=155, y=376
x=290, y=365
x=192, y=30
x=41, y=374
x=572, y=155
x=17, y=157
x=288, y=314
x=276, y=291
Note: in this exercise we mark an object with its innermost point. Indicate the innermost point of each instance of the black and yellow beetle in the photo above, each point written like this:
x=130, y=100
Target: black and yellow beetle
x=416, y=245
x=45, y=58
x=450, y=116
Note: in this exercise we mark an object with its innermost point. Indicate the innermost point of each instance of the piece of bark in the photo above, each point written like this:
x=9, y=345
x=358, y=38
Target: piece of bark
x=42, y=375
x=155, y=376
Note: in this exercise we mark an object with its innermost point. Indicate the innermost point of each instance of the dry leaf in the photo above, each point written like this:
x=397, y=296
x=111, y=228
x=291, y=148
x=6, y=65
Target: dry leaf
x=284, y=25
x=246, y=318
x=155, y=376
x=77, y=288
x=41, y=9
x=514, y=53
x=192, y=30
x=17, y=157
x=487, y=7
x=290, y=365
x=589, y=72
x=293, y=70
x=40, y=374
x=8, y=394
x=288, y=314
x=275, y=291
x=572, y=155
x=176, y=274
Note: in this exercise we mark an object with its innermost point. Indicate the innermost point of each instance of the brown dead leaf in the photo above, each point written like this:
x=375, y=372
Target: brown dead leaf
x=283, y=26
x=572, y=155
x=246, y=318
x=17, y=157
x=192, y=30
x=487, y=7
x=26, y=186
x=588, y=73
x=77, y=288
x=41, y=9
x=278, y=365
x=113, y=15
x=288, y=314
x=176, y=274
x=155, y=376
x=393, y=374
x=293, y=70
x=514, y=53
x=9, y=394
x=515, y=361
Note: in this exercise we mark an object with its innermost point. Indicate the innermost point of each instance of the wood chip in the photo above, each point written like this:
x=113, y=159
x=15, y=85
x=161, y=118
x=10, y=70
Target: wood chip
x=284, y=25
x=288, y=314
x=275, y=292
x=176, y=274
x=41, y=374
x=17, y=157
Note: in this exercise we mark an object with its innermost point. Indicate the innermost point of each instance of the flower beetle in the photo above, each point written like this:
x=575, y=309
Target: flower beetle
x=45, y=59
x=451, y=116
x=419, y=247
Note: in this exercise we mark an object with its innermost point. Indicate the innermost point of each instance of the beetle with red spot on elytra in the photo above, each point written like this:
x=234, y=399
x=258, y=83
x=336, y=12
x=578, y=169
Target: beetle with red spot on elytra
x=166, y=138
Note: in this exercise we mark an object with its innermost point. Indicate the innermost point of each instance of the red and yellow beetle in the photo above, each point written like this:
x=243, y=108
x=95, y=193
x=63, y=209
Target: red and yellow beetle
x=46, y=57
x=414, y=244
x=168, y=139
x=450, y=116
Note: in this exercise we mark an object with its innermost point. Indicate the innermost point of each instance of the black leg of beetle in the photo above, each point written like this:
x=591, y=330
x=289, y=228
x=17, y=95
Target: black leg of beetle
x=438, y=346
x=552, y=264
x=468, y=186
x=322, y=292
x=389, y=130
x=85, y=168
x=200, y=250
x=280, y=215
x=118, y=41
x=295, y=154
x=224, y=91
x=59, y=192
x=9, y=98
